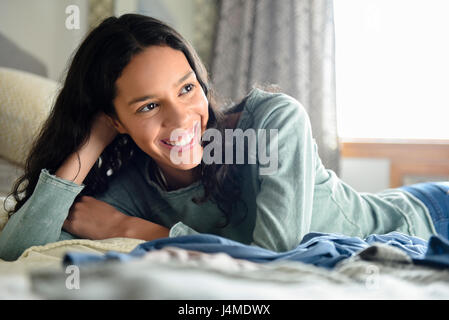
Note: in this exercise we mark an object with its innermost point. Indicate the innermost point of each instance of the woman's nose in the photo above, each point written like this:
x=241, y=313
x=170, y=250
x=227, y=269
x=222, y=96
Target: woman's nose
x=177, y=115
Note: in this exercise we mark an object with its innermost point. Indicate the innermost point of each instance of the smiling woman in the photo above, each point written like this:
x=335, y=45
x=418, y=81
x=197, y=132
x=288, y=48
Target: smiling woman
x=135, y=96
x=154, y=88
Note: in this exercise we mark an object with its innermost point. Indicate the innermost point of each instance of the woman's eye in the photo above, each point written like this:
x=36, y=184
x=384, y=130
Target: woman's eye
x=149, y=106
x=191, y=86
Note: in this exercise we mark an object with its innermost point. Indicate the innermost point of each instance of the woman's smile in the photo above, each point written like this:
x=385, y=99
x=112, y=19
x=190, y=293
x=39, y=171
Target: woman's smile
x=186, y=140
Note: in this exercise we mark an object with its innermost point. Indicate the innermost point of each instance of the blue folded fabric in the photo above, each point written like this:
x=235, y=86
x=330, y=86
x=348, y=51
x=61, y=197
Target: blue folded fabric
x=437, y=254
x=320, y=249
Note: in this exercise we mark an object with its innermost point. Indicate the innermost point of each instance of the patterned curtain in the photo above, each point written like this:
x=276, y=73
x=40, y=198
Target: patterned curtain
x=205, y=20
x=289, y=43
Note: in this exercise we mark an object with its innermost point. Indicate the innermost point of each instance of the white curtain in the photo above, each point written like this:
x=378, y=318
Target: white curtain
x=289, y=43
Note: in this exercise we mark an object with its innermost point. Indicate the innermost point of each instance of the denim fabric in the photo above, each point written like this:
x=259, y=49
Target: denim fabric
x=320, y=249
x=435, y=195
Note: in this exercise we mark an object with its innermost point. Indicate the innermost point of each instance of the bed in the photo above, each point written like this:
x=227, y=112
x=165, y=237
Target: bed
x=376, y=271
x=179, y=274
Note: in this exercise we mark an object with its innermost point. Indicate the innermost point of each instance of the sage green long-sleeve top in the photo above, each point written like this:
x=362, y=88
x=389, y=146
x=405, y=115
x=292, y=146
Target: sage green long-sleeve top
x=299, y=197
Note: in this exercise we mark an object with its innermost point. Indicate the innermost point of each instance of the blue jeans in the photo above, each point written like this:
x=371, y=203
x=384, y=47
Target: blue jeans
x=435, y=195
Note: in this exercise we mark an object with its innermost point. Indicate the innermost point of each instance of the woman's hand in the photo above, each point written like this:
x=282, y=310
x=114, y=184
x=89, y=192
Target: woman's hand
x=102, y=132
x=90, y=218
x=79, y=163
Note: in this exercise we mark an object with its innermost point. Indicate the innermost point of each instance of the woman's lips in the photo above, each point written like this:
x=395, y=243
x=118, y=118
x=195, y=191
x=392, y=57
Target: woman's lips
x=182, y=134
x=195, y=130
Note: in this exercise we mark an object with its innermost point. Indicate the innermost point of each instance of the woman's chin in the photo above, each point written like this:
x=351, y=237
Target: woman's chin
x=186, y=161
x=187, y=167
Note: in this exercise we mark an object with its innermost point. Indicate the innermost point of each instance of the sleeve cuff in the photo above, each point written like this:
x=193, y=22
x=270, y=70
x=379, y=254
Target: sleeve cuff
x=180, y=229
x=46, y=177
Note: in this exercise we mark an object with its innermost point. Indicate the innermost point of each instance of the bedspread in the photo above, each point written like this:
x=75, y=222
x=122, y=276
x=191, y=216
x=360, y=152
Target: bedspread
x=379, y=271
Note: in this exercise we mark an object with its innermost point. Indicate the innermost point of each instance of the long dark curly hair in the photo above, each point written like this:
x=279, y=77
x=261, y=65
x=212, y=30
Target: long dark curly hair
x=90, y=85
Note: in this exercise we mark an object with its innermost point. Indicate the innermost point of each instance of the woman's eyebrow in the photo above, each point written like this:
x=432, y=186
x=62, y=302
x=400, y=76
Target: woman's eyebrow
x=146, y=97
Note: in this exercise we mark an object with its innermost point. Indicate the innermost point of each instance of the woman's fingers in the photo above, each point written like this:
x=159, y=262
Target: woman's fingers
x=75, y=211
x=102, y=130
x=94, y=219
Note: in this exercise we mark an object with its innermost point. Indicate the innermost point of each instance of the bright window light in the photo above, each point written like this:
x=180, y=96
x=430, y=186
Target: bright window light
x=392, y=68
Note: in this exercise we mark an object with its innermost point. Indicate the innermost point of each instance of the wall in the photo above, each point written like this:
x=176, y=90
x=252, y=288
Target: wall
x=38, y=27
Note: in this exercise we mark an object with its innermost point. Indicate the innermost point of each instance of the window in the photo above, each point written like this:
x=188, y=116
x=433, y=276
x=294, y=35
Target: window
x=392, y=68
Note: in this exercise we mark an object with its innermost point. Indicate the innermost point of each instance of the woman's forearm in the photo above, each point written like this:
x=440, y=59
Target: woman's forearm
x=138, y=228
x=76, y=169
x=40, y=219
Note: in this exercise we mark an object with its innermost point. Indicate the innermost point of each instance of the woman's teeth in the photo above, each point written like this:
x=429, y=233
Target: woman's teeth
x=183, y=141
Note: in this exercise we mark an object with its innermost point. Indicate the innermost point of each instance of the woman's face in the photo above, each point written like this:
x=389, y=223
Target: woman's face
x=158, y=93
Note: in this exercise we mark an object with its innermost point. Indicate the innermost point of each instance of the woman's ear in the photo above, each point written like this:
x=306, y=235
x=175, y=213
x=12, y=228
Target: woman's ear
x=115, y=122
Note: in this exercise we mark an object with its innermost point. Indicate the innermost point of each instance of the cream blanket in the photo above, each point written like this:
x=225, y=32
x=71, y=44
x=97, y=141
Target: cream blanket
x=50, y=255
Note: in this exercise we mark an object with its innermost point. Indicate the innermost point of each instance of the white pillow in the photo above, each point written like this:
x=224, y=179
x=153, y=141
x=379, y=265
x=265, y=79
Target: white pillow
x=25, y=102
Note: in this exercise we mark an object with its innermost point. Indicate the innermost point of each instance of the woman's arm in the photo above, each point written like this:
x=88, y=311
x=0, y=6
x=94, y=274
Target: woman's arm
x=79, y=163
x=40, y=219
x=284, y=202
x=94, y=219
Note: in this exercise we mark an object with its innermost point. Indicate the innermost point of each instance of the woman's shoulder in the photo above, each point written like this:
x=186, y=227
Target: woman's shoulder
x=263, y=106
